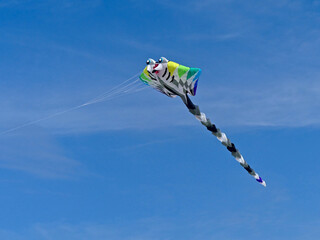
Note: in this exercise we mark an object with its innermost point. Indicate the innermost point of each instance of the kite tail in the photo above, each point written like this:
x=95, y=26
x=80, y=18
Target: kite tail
x=194, y=109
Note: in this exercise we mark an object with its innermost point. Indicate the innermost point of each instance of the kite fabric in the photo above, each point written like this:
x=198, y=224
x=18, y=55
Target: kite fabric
x=173, y=79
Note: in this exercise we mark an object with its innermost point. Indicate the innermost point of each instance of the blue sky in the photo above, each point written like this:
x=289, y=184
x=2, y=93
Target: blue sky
x=140, y=166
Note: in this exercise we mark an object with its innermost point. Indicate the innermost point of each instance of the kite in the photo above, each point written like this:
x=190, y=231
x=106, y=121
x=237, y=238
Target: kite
x=173, y=79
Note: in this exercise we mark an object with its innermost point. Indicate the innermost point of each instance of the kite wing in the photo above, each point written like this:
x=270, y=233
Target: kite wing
x=180, y=78
x=174, y=79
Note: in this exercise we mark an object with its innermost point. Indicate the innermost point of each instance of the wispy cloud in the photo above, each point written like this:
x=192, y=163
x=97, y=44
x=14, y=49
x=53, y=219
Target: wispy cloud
x=143, y=145
x=68, y=4
x=192, y=6
x=228, y=226
x=10, y=3
x=287, y=104
x=212, y=37
x=34, y=152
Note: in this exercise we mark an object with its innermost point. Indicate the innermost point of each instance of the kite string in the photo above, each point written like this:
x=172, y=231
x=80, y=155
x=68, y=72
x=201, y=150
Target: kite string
x=106, y=96
x=120, y=92
x=115, y=87
x=130, y=91
x=110, y=93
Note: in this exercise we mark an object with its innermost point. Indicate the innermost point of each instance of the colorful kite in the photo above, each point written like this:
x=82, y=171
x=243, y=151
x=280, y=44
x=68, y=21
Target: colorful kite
x=173, y=79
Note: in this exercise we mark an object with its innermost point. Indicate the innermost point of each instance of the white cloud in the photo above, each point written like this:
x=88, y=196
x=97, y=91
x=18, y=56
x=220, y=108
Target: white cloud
x=286, y=104
x=213, y=37
x=229, y=225
x=35, y=152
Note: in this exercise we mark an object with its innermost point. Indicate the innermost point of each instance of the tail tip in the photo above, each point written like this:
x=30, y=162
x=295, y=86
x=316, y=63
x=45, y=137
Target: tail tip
x=263, y=183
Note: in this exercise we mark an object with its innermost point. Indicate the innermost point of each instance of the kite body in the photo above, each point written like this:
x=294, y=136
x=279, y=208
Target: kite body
x=173, y=79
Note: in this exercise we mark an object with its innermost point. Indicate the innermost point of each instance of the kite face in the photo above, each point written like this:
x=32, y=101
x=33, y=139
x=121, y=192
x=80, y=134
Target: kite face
x=170, y=78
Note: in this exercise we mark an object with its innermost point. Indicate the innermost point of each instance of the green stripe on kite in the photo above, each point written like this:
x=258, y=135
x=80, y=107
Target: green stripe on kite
x=143, y=76
x=182, y=70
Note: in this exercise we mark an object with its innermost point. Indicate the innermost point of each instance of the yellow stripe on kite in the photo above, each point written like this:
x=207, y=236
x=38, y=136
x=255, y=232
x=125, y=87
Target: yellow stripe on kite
x=172, y=66
x=145, y=71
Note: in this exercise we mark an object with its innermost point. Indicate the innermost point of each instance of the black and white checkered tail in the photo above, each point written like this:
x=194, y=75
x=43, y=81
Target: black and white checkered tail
x=194, y=109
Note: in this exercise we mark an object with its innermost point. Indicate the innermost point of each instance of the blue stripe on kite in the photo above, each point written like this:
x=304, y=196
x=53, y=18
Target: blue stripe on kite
x=195, y=88
x=259, y=180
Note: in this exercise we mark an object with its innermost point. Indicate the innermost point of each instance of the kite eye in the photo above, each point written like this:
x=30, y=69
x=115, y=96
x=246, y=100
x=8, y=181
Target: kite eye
x=162, y=60
x=150, y=61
